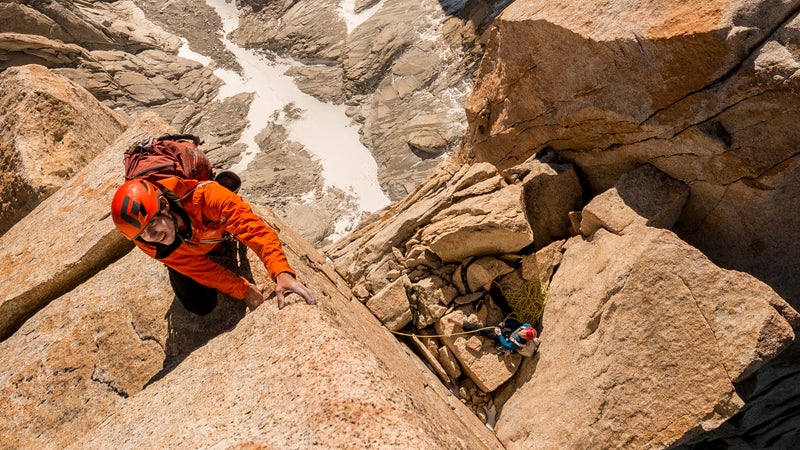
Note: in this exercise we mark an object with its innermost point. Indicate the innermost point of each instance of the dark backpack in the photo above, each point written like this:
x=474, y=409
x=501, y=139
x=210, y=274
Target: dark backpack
x=171, y=155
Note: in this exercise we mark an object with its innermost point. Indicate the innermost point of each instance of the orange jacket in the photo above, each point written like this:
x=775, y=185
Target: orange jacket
x=212, y=210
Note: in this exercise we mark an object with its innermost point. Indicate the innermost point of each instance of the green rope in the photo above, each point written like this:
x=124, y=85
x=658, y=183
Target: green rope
x=441, y=335
x=528, y=300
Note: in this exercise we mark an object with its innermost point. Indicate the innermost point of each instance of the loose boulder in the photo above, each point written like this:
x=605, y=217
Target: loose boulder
x=482, y=225
x=51, y=129
x=390, y=305
x=479, y=359
x=550, y=192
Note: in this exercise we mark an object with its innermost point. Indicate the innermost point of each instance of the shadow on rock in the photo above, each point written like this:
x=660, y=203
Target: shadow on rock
x=188, y=331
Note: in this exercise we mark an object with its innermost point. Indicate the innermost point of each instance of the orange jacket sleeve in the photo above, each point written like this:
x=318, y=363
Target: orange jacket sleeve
x=238, y=219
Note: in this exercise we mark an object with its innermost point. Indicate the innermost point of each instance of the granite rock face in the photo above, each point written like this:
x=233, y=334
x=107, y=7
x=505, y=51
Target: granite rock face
x=639, y=327
x=105, y=344
x=652, y=339
x=68, y=237
x=706, y=96
x=51, y=129
x=674, y=144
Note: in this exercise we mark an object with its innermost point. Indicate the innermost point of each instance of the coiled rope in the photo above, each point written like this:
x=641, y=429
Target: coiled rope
x=528, y=300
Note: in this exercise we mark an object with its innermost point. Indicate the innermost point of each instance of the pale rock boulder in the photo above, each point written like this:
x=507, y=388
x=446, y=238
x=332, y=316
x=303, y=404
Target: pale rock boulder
x=359, y=253
x=421, y=256
x=484, y=225
x=24, y=49
x=50, y=254
x=477, y=174
x=643, y=196
x=83, y=355
x=476, y=354
x=432, y=297
x=642, y=339
x=629, y=50
x=484, y=187
x=550, y=192
x=390, y=305
x=448, y=362
x=541, y=266
x=431, y=357
x=458, y=280
x=52, y=128
x=385, y=273
x=483, y=271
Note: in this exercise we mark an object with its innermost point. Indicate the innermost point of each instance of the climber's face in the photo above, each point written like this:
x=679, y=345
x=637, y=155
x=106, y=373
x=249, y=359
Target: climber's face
x=160, y=229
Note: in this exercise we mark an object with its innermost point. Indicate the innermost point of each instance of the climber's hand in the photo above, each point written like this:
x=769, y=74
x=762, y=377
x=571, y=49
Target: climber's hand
x=254, y=296
x=287, y=283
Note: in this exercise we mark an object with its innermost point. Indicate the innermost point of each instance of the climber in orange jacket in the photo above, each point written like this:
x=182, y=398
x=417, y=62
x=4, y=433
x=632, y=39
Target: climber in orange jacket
x=179, y=222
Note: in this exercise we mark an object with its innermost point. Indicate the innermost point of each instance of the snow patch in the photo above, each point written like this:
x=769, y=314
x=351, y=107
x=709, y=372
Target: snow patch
x=186, y=52
x=323, y=128
x=347, y=10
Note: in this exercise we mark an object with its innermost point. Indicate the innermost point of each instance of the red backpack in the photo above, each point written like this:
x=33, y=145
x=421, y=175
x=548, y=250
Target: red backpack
x=171, y=155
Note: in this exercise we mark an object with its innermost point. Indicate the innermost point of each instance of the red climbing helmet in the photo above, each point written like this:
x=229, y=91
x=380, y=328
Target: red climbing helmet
x=134, y=204
x=528, y=333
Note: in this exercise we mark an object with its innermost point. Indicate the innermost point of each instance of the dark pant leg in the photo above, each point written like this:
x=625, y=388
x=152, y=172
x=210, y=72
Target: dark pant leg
x=195, y=297
x=513, y=324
